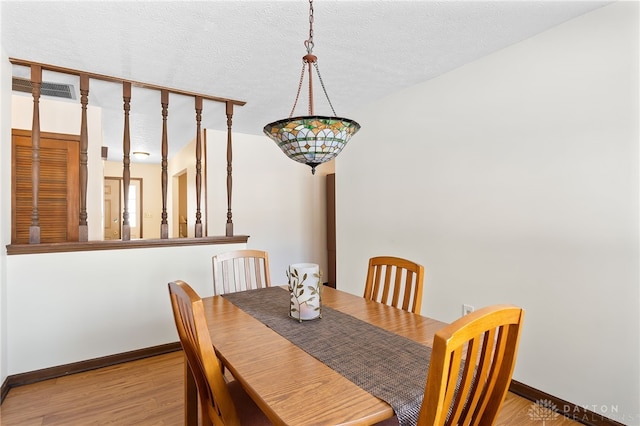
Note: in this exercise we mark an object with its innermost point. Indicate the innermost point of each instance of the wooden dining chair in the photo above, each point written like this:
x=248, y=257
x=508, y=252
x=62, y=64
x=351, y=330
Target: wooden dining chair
x=222, y=403
x=470, y=369
x=395, y=281
x=471, y=365
x=240, y=270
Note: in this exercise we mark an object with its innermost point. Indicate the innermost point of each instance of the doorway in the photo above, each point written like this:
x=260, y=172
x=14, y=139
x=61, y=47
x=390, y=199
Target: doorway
x=183, y=229
x=113, y=207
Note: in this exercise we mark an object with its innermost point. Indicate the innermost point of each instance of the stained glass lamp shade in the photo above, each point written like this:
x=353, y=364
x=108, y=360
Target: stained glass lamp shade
x=312, y=140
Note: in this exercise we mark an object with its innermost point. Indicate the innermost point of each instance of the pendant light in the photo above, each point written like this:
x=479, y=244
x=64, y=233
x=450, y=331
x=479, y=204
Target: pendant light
x=311, y=139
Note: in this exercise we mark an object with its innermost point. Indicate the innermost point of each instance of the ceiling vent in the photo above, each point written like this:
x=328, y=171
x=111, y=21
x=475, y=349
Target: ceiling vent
x=56, y=90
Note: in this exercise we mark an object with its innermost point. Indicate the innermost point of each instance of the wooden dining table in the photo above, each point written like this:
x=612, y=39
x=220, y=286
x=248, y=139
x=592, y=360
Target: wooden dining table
x=291, y=386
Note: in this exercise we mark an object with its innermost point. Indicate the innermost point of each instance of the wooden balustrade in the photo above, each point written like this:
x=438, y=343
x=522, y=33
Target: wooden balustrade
x=83, y=231
x=229, y=227
x=36, y=82
x=126, y=161
x=198, y=228
x=164, y=225
x=85, y=78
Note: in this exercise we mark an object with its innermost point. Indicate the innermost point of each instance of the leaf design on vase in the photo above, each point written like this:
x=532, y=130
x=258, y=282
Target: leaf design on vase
x=297, y=289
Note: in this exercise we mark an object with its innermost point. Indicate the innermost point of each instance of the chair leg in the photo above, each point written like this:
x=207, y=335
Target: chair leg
x=204, y=417
x=191, y=397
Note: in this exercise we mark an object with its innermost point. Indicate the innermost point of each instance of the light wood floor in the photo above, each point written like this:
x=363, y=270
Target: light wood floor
x=146, y=392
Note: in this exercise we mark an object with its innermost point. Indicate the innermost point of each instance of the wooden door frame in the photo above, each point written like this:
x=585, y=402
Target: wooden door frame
x=140, y=215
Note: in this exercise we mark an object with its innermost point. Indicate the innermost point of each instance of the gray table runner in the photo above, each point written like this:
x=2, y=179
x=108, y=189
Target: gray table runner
x=389, y=366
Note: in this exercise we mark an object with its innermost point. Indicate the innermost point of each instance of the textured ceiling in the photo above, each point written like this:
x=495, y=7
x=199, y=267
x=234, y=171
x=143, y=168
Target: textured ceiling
x=252, y=50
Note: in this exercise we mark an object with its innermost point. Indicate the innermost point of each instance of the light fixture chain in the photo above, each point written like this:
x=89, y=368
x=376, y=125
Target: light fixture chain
x=299, y=89
x=311, y=22
x=315, y=64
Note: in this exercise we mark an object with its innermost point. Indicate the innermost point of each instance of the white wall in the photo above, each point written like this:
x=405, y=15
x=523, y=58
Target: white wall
x=70, y=307
x=60, y=308
x=514, y=179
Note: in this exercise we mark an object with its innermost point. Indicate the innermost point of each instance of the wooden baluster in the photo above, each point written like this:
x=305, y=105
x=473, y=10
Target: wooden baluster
x=164, y=225
x=36, y=82
x=229, y=229
x=198, y=229
x=83, y=229
x=126, y=161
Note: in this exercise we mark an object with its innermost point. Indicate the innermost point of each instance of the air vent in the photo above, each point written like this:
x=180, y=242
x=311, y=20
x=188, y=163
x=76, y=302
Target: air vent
x=56, y=90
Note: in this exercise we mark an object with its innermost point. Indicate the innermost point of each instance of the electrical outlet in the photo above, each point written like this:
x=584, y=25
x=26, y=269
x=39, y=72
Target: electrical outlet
x=467, y=309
